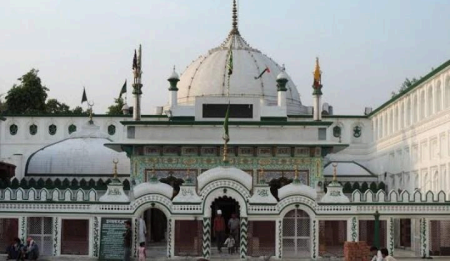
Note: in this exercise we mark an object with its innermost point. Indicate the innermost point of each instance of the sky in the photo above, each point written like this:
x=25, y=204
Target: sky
x=366, y=48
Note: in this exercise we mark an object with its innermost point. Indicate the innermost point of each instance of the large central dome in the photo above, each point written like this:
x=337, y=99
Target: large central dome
x=207, y=76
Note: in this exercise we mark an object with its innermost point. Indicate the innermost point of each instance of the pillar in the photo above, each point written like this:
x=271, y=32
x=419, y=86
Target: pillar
x=135, y=236
x=173, y=90
x=279, y=239
x=243, y=237
x=315, y=239
x=94, y=236
x=390, y=240
x=137, y=107
x=353, y=229
x=206, y=248
x=170, y=237
x=425, y=238
x=57, y=227
x=282, y=80
x=23, y=224
x=317, y=110
x=376, y=234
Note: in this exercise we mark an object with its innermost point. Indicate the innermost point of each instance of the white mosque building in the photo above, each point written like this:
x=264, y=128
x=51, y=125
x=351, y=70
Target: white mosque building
x=301, y=179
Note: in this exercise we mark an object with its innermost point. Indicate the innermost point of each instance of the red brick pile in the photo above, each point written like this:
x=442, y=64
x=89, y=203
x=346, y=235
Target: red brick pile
x=356, y=251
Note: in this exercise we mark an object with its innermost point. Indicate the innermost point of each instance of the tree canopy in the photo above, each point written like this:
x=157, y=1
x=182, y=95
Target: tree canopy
x=405, y=85
x=30, y=97
x=116, y=108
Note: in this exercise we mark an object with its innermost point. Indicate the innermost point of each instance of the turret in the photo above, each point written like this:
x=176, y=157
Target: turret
x=282, y=80
x=173, y=89
x=317, y=93
x=137, y=84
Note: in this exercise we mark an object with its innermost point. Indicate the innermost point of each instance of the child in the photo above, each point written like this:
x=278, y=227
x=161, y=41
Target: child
x=229, y=243
x=142, y=254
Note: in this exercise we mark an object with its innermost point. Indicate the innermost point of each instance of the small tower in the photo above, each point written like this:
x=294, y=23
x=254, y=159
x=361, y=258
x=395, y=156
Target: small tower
x=282, y=80
x=137, y=84
x=173, y=89
x=317, y=93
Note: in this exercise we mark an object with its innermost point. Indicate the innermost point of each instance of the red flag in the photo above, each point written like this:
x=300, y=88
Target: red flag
x=267, y=69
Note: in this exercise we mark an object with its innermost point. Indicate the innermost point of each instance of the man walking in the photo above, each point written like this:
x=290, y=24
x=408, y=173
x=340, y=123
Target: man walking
x=219, y=230
x=127, y=241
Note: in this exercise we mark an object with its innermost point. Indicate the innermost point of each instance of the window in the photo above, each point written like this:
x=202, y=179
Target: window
x=131, y=132
x=111, y=129
x=322, y=134
x=33, y=129
x=13, y=129
x=72, y=128
x=52, y=129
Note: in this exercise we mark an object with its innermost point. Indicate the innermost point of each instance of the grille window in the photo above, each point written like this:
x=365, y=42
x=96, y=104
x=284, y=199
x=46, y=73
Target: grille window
x=236, y=110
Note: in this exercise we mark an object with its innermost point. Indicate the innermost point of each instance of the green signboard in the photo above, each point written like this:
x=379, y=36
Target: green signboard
x=111, y=238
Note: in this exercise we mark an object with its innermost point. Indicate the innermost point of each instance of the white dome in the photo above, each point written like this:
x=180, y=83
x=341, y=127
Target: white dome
x=207, y=76
x=83, y=153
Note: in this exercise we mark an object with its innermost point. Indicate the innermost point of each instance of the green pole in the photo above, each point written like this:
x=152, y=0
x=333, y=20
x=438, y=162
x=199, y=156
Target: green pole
x=376, y=234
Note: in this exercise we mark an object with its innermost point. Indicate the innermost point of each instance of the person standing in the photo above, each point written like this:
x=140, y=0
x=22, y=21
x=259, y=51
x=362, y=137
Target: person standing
x=219, y=230
x=142, y=230
x=233, y=226
x=127, y=241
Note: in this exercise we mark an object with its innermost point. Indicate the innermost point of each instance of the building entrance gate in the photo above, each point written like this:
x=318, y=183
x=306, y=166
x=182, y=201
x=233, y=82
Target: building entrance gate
x=156, y=236
x=40, y=229
x=296, y=234
x=228, y=206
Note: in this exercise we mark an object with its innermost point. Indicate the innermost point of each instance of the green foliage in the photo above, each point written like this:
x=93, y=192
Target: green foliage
x=405, y=85
x=27, y=97
x=116, y=108
x=30, y=97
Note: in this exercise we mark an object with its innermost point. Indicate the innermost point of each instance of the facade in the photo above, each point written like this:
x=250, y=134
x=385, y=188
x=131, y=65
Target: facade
x=301, y=180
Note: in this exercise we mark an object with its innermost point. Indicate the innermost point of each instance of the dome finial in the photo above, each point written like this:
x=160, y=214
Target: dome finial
x=234, y=29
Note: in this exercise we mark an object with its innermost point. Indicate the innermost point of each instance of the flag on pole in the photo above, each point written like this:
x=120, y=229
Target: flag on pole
x=230, y=62
x=226, y=136
x=264, y=71
x=84, y=98
x=124, y=89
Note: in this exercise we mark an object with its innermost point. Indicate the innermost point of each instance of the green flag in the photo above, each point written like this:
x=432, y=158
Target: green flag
x=226, y=136
x=230, y=63
x=123, y=90
x=84, y=98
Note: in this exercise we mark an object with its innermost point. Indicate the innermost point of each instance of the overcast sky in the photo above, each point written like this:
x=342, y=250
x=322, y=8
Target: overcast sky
x=366, y=48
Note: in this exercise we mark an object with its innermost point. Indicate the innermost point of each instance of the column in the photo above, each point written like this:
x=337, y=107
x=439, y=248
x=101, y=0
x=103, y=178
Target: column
x=315, y=239
x=57, y=226
x=279, y=239
x=94, y=236
x=243, y=238
x=206, y=249
x=390, y=236
x=424, y=237
x=171, y=238
x=23, y=223
x=135, y=236
x=376, y=234
x=353, y=229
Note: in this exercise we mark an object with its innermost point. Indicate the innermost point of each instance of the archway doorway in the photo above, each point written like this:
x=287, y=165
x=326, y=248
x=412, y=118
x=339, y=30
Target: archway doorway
x=296, y=234
x=156, y=228
x=229, y=207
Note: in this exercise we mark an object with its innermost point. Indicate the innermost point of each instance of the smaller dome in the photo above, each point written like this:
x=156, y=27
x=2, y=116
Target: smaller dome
x=220, y=173
x=125, y=107
x=282, y=76
x=295, y=189
x=153, y=187
x=174, y=75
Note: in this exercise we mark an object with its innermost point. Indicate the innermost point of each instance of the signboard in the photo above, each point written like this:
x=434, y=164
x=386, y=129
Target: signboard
x=111, y=238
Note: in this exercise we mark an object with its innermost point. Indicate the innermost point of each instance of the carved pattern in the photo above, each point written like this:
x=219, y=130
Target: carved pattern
x=169, y=240
x=136, y=233
x=96, y=237
x=55, y=236
x=280, y=241
x=391, y=236
x=243, y=239
x=206, y=248
x=354, y=229
x=314, y=239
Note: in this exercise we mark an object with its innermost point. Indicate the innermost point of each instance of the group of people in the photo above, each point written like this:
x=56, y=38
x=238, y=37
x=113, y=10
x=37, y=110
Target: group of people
x=219, y=232
x=18, y=251
x=127, y=239
x=381, y=255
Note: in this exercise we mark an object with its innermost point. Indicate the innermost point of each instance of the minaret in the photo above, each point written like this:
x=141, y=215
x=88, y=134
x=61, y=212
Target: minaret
x=173, y=89
x=234, y=23
x=137, y=84
x=317, y=94
x=282, y=80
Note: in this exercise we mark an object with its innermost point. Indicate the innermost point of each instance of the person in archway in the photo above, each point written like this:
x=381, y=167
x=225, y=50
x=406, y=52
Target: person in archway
x=219, y=230
x=142, y=231
x=127, y=241
x=233, y=226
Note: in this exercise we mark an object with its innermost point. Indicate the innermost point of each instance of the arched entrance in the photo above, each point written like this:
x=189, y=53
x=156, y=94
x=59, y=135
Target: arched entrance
x=296, y=234
x=156, y=228
x=230, y=208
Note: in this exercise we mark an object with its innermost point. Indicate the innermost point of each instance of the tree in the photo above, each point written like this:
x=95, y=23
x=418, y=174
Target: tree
x=27, y=97
x=78, y=111
x=55, y=107
x=116, y=109
x=405, y=85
